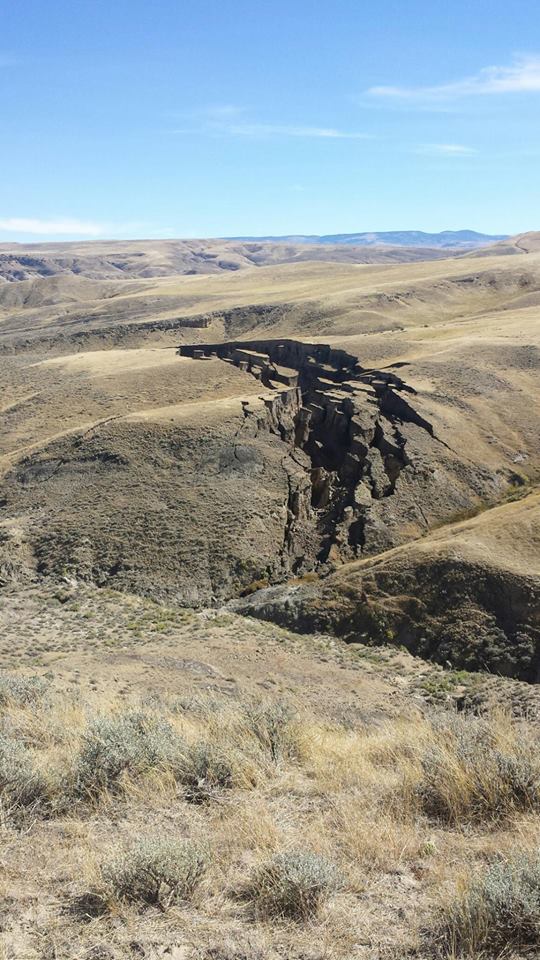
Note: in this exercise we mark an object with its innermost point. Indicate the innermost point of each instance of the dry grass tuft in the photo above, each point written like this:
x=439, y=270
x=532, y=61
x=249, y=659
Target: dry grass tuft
x=333, y=833
x=474, y=769
x=497, y=912
x=272, y=724
x=23, y=787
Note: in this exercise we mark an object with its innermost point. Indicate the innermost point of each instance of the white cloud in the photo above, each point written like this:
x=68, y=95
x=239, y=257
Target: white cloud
x=522, y=76
x=221, y=111
x=214, y=112
x=227, y=120
x=61, y=226
x=284, y=130
x=447, y=149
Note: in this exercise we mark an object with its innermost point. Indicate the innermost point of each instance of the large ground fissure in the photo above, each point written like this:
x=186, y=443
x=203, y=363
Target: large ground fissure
x=342, y=425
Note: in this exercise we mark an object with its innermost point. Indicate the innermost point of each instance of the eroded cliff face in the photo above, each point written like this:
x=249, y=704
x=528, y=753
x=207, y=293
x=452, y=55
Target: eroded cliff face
x=148, y=477
x=210, y=477
x=365, y=469
x=461, y=596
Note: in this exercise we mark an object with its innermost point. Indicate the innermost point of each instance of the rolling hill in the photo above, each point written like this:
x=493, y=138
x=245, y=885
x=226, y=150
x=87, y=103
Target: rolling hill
x=269, y=597
x=128, y=259
x=447, y=239
x=429, y=368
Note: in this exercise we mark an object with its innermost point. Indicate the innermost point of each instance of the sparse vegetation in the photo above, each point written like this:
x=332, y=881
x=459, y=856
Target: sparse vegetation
x=203, y=814
x=293, y=884
x=155, y=871
x=254, y=586
x=499, y=911
x=310, y=577
x=128, y=743
x=21, y=690
x=475, y=770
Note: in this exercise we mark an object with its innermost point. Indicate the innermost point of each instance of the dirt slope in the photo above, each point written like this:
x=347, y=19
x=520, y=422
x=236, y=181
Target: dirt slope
x=468, y=595
x=522, y=243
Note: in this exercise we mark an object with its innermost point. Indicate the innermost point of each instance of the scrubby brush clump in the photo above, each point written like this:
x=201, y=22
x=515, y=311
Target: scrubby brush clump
x=498, y=911
x=472, y=769
x=155, y=870
x=21, y=690
x=293, y=884
x=127, y=743
x=270, y=825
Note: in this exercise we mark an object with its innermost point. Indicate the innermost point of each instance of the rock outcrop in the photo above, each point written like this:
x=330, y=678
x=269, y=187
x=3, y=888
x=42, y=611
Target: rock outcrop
x=366, y=469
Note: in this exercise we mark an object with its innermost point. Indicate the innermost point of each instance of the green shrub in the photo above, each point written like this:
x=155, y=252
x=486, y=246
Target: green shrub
x=136, y=742
x=293, y=884
x=21, y=690
x=22, y=786
x=202, y=770
x=499, y=913
x=132, y=742
x=156, y=871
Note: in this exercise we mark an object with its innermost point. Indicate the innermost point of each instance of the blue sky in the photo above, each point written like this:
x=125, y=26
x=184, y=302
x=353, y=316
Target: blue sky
x=123, y=118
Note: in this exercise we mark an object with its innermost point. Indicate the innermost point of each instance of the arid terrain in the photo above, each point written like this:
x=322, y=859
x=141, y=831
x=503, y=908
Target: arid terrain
x=270, y=599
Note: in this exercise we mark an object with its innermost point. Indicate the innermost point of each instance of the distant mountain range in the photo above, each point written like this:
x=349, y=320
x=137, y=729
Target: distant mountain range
x=451, y=239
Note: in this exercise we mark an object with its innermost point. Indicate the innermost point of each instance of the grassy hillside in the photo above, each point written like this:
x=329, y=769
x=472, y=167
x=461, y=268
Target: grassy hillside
x=109, y=433
x=124, y=259
x=269, y=609
x=208, y=786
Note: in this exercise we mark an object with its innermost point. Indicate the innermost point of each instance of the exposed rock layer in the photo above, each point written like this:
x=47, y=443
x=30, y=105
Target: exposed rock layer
x=365, y=467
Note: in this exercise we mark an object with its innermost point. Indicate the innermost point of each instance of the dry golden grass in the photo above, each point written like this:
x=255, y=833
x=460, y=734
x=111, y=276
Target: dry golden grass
x=319, y=839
